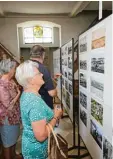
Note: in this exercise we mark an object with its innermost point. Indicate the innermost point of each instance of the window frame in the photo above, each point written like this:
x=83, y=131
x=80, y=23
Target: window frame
x=39, y=38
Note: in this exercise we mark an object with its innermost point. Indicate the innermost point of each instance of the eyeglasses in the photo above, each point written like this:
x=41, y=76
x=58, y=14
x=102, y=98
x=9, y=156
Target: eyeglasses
x=38, y=73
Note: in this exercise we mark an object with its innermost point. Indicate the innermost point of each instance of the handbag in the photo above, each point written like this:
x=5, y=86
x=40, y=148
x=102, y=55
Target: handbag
x=57, y=145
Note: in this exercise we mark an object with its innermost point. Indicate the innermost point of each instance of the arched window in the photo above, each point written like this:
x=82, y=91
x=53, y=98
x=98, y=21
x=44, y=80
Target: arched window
x=37, y=34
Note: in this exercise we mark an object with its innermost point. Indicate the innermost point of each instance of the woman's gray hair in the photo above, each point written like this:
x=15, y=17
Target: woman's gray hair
x=37, y=51
x=6, y=66
x=25, y=71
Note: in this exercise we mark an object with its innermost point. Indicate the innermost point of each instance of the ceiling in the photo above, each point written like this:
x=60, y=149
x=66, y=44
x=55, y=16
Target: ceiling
x=94, y=5
x=59, y=8
x=36, y=7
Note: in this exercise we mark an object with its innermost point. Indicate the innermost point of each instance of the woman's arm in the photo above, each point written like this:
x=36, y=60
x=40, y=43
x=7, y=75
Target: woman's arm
x=4, y=97
x=40, y=127
x=13, y=102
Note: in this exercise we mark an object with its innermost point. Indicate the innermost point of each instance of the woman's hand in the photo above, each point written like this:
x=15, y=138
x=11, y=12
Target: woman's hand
x=57, y=75
x=13, y=102
x=57, y=112
x=18, y=90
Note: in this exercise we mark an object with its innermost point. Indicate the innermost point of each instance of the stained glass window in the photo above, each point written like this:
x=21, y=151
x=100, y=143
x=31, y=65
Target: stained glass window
x=37, y=34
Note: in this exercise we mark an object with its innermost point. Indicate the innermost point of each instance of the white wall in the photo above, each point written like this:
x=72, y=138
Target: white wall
x=70, y=27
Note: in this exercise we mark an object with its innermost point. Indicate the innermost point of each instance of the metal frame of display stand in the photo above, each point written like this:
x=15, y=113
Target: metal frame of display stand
x=78, y=147
x=76, y=103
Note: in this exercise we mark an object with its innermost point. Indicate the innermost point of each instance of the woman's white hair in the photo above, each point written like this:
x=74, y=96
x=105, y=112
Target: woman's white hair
x=6, y=66
x=25, y=71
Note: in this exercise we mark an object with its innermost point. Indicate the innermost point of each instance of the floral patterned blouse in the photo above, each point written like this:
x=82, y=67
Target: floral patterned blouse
x=8, y=92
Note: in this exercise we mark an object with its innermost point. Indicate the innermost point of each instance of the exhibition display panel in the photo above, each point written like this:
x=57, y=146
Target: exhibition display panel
x=95, y=89
x=57, y=69
x=67, y=59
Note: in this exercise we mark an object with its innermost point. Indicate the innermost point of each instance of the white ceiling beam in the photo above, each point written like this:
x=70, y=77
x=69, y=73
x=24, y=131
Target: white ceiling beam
x=79, y=7
x=1, y=10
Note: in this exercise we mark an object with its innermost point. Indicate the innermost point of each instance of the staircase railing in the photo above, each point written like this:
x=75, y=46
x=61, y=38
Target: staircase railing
x=8, y=52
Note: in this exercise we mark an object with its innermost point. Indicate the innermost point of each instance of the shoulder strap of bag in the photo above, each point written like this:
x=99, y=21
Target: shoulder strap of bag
x=61, y=138
x=57, y=143
x=48, y=129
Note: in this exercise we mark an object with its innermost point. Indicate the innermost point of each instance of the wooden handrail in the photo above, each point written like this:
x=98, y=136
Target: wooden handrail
x=8, y=52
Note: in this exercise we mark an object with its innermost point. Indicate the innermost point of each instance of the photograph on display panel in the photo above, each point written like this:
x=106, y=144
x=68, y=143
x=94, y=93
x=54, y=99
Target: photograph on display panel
x=83, y=64
x=70, y=76
x=64, y=72
x=83, y=117
x=69, y=50
x=66, y=84
x=107, y=149
x=97, y=65
x=96, y=133
x=64, y=61
x=83, y=80
x=62, y=81
x=97, y=111
x=83, y=100
x=63, y=93
x=83, y=44
x=70, y=62
x=98, y=38
x=70, y=89
x=97, y=88
x=62, y=52
x=56, y=63
x=66, y=50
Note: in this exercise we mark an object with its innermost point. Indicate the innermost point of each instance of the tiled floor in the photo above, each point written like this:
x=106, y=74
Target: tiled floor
x=65, y=129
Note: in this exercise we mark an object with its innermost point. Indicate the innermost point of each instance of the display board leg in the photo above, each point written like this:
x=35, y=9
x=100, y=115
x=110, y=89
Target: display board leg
x=76, y=147
x=78, y=156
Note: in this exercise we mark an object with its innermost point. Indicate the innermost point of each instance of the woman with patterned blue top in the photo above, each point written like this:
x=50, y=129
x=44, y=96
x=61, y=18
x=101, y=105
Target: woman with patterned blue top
x=34, y=112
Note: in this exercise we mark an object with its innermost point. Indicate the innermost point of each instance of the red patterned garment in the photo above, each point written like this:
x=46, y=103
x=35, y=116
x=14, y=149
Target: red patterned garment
x=8, y=92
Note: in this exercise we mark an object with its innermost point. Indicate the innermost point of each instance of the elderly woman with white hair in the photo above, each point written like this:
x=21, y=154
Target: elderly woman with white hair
x=34, y=112
x=9, y=109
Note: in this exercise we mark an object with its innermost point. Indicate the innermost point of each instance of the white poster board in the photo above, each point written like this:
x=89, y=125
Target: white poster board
x=56, y=69
x=67, y=77
x=95, y=89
